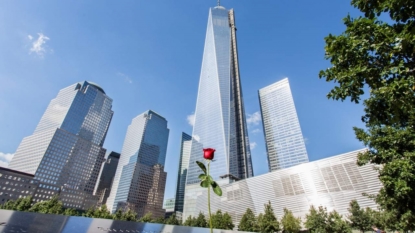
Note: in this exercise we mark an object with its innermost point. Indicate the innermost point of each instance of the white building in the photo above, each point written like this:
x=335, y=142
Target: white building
x=331, y=182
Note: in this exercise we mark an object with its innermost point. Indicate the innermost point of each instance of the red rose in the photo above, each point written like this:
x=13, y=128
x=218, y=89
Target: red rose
x=208, y=153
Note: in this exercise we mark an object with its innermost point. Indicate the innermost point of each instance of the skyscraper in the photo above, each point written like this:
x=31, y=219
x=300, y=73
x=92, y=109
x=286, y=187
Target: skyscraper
x=219, y=117
x=66, y=148
x=106, y=176
x=140, y=179
x=182, y=173
x=283, y=137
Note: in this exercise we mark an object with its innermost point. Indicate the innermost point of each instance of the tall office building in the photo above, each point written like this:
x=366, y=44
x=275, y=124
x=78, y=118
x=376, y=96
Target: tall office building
x=182, y=173
x=66, y=148
x=284, y=140
x=140, y=179
x=106, y=176
x=219, y=117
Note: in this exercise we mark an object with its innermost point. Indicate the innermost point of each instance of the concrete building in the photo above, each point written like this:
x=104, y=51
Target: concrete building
x=15, y=184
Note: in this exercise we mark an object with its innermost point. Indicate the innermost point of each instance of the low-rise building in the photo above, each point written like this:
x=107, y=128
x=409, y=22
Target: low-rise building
x=331, y=182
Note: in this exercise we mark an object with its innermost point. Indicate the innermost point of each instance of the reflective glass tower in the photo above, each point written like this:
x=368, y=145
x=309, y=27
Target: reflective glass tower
x=283, y=137
x=66, y=148
x=219, y=117
x=106, y=176
x=140, y=179
x=182, y=173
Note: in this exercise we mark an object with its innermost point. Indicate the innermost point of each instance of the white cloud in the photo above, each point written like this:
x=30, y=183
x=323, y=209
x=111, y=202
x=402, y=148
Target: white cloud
x=306, y=141
x=38, y=46
x=256, y=131
x=191, y=119
x=5, y=159
x=125, y=77
x=252, y=145
x=253, y=119
x=30, y=37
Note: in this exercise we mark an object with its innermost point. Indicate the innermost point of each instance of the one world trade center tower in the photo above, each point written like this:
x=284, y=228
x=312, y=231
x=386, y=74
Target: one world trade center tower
x=220, y=116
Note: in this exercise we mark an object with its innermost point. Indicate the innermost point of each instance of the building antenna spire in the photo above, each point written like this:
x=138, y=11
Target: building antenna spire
x=218, y=2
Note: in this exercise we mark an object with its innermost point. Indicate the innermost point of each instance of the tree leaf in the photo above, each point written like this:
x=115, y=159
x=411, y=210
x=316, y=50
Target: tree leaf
x=205, y=183
x=202, y=176
x=202, y=166
x=216, y=188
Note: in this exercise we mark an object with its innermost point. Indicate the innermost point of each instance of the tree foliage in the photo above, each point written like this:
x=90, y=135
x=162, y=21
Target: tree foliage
x=268, y=222
x=379, y=56
x=70, y=212
x=172, y=220
x=200, y=221
x=52, y=206
x=159, y=220
x=222, y=221
x=319, y=220
x=146, y=218
x=130, y=215
x=190, y=221
x=290, y=224
x=248, y=222
x=359, y=218
x=103, y=212
x=336, y=224
x=316, y=219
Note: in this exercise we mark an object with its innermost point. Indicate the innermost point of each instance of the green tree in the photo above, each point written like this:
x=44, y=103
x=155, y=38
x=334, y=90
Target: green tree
x=268, y=222
x=227, y=223
x=131, y=215
x=52, y=206
x=90, y=213
x=336, y=224
x=359, y=218
x=9, y=205
x=172, y=220
x=380, y=56
x=316, y=219
x=259, y=220
x=200, y=221
x=24, y=204
x=118, y=215
x=102, y=212
x=70, y=212
x=159, y=220
x=222, y=221
x=146, y=218
x=190, y=221
x=290, y=224
x=248, y=222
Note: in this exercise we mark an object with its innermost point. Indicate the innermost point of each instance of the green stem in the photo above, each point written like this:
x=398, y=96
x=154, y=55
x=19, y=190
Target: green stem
x=210, y=215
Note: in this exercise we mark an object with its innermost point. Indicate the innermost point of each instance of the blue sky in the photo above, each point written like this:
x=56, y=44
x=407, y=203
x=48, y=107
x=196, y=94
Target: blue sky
x=148, y=54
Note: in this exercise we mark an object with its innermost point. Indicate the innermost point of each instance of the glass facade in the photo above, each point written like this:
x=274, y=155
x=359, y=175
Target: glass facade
x=169, y=204
x=182, y=173
x=106, y=176
x=219, y=117
x=140, y=179
x=284, y=140
x=66, y=148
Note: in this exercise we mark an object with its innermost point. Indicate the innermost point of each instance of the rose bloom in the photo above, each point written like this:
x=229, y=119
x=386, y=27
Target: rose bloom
x=208, y=153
